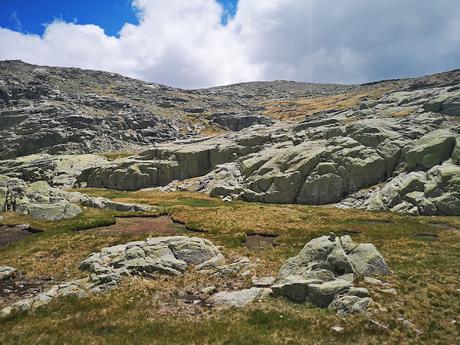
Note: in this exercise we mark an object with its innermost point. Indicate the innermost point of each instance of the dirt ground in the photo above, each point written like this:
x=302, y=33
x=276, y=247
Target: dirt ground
x=13, y=233
x=162, y=225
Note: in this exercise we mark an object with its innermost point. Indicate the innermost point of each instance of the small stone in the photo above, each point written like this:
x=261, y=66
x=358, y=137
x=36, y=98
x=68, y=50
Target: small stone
x=409, y=325
x=345, y=305
x=349, y=277
x=238, y=299
x=390, y=291
x=209, y=290
x=5, y=312
x=7, y=272
x=338, y=329
x=372, y=281
x=359, y=292
x=376, y=326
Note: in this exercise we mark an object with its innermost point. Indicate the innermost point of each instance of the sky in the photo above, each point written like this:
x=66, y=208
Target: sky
x=202, y=43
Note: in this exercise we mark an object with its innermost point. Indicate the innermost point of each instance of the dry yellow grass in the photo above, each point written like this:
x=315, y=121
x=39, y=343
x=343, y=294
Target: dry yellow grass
x=298, y=108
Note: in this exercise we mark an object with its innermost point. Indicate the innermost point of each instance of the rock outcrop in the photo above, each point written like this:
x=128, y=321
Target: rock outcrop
x=36, y=199
x=154, y=256
x=158, y=255
x=323, y=274
x=325, y=159
x=57, y=170
x=39, y=200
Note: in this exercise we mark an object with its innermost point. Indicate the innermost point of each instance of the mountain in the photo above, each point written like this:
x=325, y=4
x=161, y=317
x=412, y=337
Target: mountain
x=132, y=212
x=390, y=145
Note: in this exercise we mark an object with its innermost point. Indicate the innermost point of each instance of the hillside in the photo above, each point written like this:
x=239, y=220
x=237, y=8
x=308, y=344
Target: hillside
x=256, y=213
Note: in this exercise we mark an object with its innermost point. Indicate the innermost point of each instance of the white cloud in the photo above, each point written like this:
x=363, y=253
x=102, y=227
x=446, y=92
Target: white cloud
x=183, y=43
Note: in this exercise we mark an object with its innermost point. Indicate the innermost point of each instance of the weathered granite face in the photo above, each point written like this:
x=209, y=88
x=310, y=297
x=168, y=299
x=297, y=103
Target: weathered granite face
x=73, y=111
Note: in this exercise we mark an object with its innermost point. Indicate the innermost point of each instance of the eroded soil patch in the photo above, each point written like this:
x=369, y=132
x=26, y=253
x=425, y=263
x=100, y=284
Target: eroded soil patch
x=13, y=233
x=260, y=241
x=162, y=225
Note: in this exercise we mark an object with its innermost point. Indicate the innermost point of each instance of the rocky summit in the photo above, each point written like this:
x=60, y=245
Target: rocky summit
x=256, y=213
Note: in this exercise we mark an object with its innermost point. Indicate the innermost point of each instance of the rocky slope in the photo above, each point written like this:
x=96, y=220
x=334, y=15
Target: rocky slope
x=404, y=145
x=69, y=110
x=392, y=145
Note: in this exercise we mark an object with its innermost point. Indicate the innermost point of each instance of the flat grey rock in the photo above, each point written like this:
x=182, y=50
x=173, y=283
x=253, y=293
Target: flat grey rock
x=238, y=299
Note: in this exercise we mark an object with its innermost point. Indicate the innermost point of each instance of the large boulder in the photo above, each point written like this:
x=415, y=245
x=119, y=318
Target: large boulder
x=447, y=103
x=324, y=270
x=336, y=254
x=158, y=255
x=54, y=211
x=37, y=200
x=443, y=188
x=435, y=192
x=276, y=174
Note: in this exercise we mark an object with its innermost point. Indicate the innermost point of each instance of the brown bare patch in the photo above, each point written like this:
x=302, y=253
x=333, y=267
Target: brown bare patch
x=257, y=242
x=12, y=233
x=158, y=225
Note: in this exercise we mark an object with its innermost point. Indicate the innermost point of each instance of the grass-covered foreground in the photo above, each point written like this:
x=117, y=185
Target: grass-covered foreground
x=423, y=252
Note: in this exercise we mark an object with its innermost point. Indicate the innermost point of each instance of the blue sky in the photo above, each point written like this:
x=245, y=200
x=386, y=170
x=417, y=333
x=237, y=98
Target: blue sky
x=191, y=43
x=31, y=16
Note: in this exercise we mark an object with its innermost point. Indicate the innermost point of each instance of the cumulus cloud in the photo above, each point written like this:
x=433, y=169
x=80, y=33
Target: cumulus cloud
x=185, y=44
